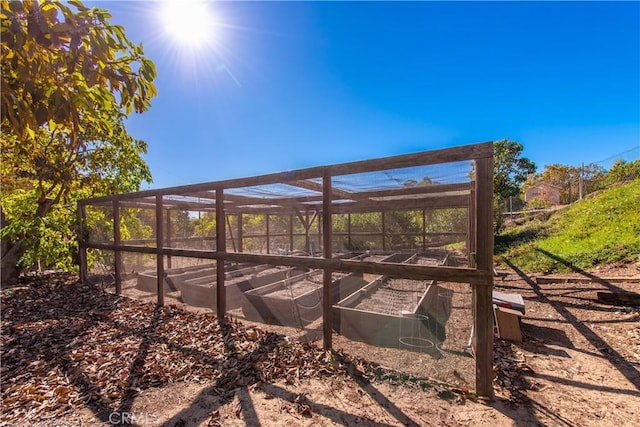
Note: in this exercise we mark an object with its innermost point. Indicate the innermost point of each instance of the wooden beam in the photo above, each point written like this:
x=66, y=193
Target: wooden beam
x=221, y=247
x=384, y=231
x=83, y=237
x=311, y=185
x=408, y=271
x=291, y=233
x=631, y=299
x=267, y=230
x=398, y=205
x=240, y=233
x=327, y=312
x=424, y=230
x=349, y=231
x=447, y=155
x=168, y=241
x=482, y=295
x=233, y=242
x=117, y=242
x=159, y=246
x=419, y=189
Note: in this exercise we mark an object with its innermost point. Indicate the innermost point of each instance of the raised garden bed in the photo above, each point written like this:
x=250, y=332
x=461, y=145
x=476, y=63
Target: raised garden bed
x=397, y=313
x=148, y=281
x=201, y=292
x=296, y=301
x=174, y=278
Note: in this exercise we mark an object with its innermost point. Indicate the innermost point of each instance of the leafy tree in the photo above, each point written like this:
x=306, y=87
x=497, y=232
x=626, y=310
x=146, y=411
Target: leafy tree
x=69, y=78
x=622, y=171
x=510, y=171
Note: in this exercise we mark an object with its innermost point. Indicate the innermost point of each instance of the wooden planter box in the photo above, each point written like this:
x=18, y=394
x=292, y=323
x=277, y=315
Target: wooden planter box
x=201, y=292
x=174, y=278
x=147, y=281
x=296, y=301
x=417, y=325
x=414, y=327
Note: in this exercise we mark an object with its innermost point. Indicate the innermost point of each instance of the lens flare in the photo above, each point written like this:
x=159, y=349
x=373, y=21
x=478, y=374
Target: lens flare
x=189, y=24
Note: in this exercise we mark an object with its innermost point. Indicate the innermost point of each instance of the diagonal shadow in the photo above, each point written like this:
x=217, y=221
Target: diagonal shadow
x=622, y=365
x=230, y=378
x=581, y=384
x=246, y=406
x=358, y=376
x=137, y=367
x=336, y=415
x=576, y=269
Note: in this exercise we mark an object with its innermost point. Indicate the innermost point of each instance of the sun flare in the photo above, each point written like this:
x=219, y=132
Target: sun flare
x=188, y=23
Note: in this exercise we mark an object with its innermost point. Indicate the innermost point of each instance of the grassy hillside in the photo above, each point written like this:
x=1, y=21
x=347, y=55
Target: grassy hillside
x=602, y=229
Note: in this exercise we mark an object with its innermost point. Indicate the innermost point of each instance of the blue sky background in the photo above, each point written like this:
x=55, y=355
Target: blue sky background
x=300, y=84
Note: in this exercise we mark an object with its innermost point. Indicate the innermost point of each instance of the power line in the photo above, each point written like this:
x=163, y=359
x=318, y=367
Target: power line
x=619, y=155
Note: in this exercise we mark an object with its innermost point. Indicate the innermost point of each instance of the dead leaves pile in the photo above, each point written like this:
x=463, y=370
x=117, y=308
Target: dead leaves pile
x=67, y=345
x=509, y=365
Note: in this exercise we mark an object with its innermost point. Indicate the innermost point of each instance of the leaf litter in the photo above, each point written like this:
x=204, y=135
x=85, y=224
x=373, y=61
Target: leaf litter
x=68, y=345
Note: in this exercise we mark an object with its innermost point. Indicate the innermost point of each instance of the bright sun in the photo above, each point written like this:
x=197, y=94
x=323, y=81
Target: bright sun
x=188, y=23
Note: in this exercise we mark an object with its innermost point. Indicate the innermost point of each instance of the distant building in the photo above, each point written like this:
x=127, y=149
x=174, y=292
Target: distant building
x=545, y=191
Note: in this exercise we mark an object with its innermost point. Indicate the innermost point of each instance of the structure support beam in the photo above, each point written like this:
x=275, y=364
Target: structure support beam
x=82, y=241
x=327, y=313
x=169, y=232
x=482, y=294
x=291, y=233
x=221, y=247
x=159, y=246
x=117, y=242
x=240, y=233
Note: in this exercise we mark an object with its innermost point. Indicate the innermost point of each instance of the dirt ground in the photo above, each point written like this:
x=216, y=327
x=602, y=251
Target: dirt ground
x=579, y=365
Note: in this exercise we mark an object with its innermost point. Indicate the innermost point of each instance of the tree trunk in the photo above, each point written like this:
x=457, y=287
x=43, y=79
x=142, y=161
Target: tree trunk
x=11, y=251
x=11, y=254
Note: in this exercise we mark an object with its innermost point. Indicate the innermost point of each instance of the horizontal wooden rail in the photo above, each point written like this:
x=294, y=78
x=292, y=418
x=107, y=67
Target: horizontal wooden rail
x=406, y=271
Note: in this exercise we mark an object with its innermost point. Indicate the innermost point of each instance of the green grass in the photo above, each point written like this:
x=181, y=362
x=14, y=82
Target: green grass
x=602, y=229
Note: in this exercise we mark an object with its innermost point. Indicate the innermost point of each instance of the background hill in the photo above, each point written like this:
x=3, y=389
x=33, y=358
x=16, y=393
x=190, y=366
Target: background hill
x=601, y=229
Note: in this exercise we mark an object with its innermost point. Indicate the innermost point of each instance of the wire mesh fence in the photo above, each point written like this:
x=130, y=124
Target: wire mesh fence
x=258, y=246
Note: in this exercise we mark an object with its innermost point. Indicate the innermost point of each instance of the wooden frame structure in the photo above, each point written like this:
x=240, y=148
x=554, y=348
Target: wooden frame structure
x=317, y=196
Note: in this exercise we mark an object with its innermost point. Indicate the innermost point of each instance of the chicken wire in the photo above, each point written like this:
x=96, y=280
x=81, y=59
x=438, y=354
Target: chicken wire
x=420, y=326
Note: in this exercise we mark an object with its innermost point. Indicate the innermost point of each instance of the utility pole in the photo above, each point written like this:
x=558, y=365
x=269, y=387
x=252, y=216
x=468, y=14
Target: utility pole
x=581, y=181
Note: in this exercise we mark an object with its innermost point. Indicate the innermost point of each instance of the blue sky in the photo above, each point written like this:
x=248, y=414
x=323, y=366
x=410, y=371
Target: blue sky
x=298, y=84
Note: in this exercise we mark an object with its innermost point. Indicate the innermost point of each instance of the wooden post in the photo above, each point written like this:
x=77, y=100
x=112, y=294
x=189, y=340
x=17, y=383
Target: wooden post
x=221, y=247
x=321, y=242
x=307, y=239
x=291, y=233
x=233, y=242
x=424, y=230
x=472, y=226
x=482, y=299
x=349, y=232
x=267, y=224
x=240, y=234
x=327, y=313
x=82, y=240
x=384, y=231
x=168, y=235
x=116, y=241
x=159, y=246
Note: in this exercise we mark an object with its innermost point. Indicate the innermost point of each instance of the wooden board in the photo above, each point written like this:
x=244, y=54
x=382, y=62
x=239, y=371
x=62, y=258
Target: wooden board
x=508, y=323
